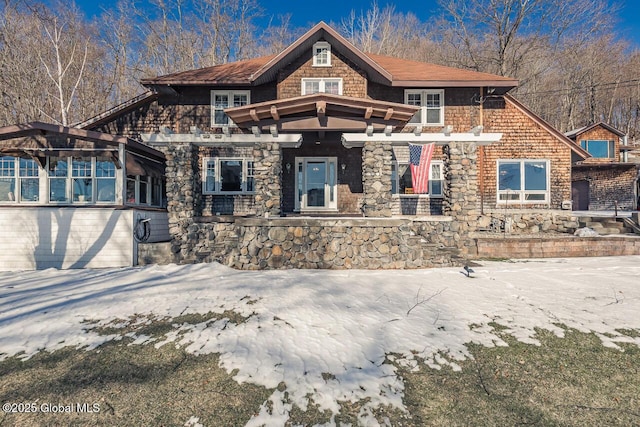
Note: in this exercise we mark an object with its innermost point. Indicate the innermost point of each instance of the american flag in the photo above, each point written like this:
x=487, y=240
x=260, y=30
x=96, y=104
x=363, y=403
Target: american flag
x=420, y=161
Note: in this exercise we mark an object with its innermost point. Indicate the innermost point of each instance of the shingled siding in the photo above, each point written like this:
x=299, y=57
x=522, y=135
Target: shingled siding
x=602, y=134
x=609, y=185
x=189, y=106
x=522, y=138
x=354, y=83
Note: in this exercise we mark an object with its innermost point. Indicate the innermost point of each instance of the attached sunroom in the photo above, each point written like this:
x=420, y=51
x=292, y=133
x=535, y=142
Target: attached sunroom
x=44, y=164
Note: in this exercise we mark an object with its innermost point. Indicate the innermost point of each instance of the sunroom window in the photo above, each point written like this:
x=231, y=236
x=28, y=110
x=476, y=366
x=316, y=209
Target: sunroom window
x=81, y=179
x=7, y=179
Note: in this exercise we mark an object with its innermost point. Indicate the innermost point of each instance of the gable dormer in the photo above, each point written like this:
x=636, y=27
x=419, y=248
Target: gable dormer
x=322, y=54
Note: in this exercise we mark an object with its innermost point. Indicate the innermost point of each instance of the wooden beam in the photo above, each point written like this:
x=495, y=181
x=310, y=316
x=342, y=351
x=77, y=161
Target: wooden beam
x=389, y=113
x=274, y=112
x=321, y=108
x=368, y=112
x=254, y=115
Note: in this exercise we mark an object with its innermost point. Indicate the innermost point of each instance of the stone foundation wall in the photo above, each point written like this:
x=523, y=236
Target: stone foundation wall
x=516, y=222
x=260, y=243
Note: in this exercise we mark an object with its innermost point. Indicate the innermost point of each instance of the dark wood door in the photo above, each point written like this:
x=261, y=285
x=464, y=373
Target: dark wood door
x=580, y=195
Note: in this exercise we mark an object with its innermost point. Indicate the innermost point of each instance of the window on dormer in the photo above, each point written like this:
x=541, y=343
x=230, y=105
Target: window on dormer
x=322, y=54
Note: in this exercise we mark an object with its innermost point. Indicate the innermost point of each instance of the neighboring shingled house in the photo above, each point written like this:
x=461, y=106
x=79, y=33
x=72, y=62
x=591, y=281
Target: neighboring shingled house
x=606, y=180
x=266, y=157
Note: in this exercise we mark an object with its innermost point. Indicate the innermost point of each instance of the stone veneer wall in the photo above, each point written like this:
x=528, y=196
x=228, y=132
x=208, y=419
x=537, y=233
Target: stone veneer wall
x=269, y=243
x=267, y=177
x=376, y=178
x=519, y=222
x=181, y=203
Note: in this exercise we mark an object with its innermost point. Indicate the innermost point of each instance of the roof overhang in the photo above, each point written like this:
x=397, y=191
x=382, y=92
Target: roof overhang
x=38, y=136
x=505, y=85
x=322, y=112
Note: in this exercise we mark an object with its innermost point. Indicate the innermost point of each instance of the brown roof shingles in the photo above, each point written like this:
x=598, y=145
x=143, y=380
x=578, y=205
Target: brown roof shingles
x=239, y=72
x=405, y=73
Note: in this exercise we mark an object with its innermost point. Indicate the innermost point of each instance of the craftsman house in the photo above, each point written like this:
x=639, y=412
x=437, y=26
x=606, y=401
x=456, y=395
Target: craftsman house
x=314, y=158
x=606, y=180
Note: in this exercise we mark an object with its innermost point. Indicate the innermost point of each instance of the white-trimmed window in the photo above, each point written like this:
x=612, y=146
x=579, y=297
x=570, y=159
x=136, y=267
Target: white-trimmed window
x=401, y=182
x=329, y=85
x=224, y=175
x=321, y=54
x=523, y=181
x=81, y=179
x=600, y=149
x=221, y=99
x=19, y=180
x=431, y=103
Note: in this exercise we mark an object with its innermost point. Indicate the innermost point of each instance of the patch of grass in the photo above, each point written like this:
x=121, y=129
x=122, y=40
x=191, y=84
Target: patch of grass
x=633, y=333
x=571, y=381
x=133, y=385
x=159, y=326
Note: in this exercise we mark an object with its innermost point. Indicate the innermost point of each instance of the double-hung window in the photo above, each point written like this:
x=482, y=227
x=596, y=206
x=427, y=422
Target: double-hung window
x=81, y=179
x=525, y=181
x=7, y=179
x=326, y=85
x=600, y=149
x=227, y=176
x=401, y=182
x=19, y=180
x=225, y=99
x=321, y=54
x=431, y=103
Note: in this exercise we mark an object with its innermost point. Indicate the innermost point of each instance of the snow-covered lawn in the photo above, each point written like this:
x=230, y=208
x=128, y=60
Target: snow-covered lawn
x=325, y=334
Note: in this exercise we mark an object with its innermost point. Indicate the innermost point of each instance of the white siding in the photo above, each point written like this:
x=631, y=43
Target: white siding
x=159, y=225
x=36, y=238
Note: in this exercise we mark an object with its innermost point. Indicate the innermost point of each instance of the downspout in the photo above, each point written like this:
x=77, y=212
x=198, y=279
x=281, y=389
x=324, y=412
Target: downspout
x=625, y=153
x=481, y=160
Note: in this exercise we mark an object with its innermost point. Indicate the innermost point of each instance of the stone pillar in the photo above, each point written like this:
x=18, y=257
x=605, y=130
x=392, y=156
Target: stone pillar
x=376, y=178
x=267, y=164
x=181, y=204
x=461, y=199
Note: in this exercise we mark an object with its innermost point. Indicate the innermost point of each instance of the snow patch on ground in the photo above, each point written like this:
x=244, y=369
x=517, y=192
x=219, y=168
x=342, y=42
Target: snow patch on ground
x=325, y=336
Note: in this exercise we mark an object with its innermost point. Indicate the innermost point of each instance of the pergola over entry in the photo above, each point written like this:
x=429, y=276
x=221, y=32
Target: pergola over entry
x=323, y=112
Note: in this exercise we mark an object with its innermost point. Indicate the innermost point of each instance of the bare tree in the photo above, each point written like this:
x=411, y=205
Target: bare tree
x=497, y=35
x=385, y=32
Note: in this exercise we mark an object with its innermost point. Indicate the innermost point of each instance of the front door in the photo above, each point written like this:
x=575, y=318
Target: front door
x=316, y=180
